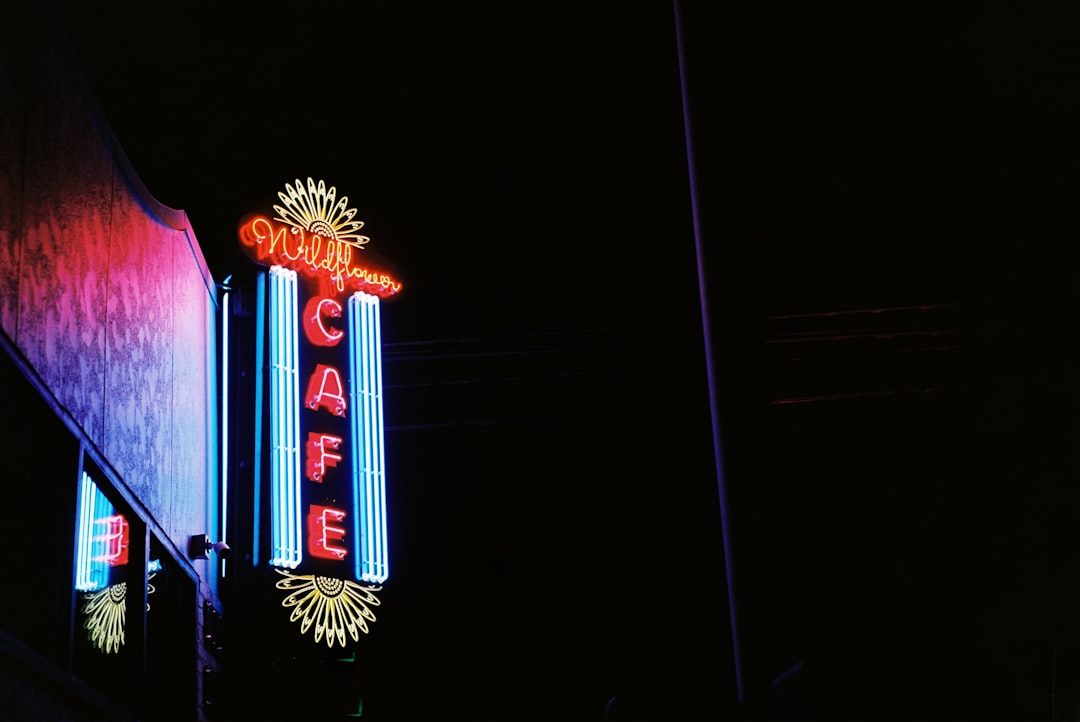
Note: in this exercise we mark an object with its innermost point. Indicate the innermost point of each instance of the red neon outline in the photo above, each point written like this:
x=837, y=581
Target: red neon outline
x=319, y=532
x=117, y=539
x=321, y=397
x=318, y=459
x=324, y=259
x=314, y=328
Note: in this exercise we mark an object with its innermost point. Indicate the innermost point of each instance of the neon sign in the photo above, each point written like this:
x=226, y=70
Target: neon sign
x=333, y=606
x=327, y=485
x=314, y=234
x=102, y=541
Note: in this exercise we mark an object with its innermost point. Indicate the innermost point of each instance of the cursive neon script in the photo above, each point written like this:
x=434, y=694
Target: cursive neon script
x=311, y=254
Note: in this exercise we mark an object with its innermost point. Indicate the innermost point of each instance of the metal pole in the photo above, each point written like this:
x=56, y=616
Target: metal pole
x=714, y=411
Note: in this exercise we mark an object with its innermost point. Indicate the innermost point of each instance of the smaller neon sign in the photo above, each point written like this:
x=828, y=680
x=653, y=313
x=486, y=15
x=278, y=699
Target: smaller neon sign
x=102, y=546
x=102, y=538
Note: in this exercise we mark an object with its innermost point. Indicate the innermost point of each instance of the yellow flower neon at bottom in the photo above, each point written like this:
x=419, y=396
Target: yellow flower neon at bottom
x=333, y=606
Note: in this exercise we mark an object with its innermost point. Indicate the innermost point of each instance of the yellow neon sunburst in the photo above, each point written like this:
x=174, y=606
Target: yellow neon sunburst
x=106, y=614
x=316, y=209
x=334, y=606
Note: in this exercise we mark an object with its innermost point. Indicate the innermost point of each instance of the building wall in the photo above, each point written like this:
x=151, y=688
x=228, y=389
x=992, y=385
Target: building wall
x=107, y=302
x=105, y=291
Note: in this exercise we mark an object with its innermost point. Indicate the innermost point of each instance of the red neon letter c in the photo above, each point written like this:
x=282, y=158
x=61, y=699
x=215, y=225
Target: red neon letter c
x=314, y=328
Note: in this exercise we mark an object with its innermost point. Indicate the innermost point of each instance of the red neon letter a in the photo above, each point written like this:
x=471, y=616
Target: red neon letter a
x=326, y=390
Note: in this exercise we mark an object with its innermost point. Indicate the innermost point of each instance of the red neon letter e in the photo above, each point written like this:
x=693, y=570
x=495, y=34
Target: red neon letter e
x=321, y=533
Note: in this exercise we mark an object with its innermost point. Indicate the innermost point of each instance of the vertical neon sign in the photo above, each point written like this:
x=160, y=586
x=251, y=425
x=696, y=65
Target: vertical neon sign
x=327, y=486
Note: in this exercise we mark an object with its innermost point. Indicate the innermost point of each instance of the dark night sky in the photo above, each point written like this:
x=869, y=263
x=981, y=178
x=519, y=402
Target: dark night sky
x=524, y=170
